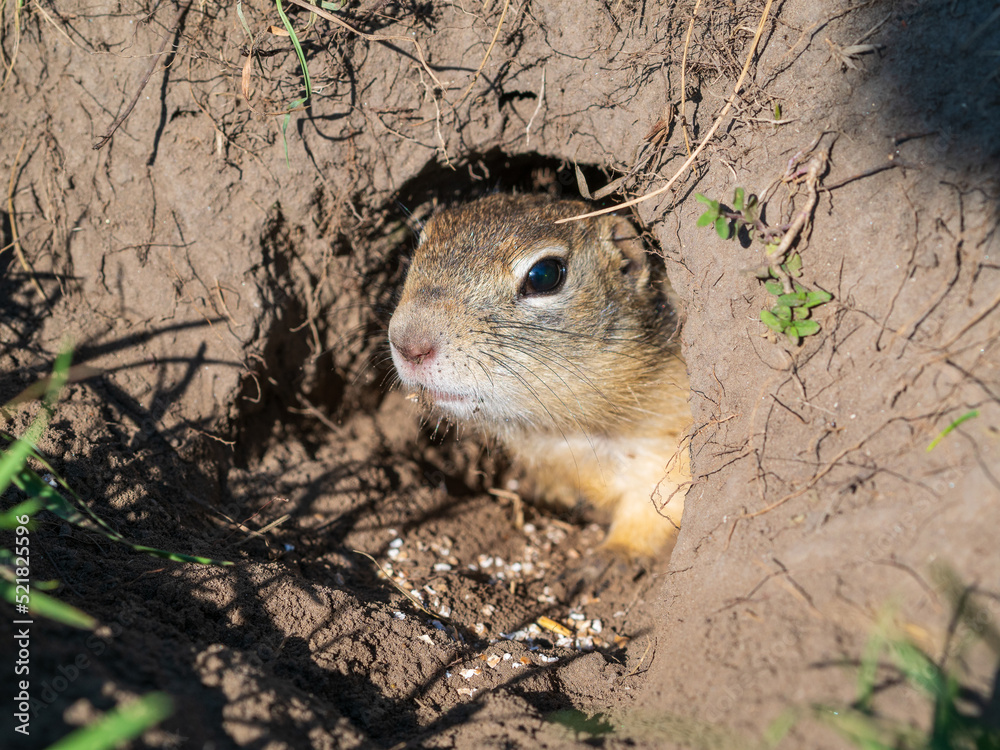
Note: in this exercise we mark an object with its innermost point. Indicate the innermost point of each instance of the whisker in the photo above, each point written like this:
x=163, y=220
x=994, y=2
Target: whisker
x=566, y=364
x=647, y=338
x=556, y=424
x=621, y=409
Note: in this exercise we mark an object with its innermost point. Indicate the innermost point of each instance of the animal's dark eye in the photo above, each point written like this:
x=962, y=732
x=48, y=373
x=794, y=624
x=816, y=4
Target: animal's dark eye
x=547, y=275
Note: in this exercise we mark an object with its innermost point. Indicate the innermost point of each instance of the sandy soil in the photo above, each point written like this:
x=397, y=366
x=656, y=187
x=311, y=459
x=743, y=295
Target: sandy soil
x=232, y=278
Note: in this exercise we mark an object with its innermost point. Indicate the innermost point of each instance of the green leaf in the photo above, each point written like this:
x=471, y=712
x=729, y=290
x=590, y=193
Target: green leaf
x=770, y=247
x=782, y=312
x=793, y=335
x=284, y=126
x=123, y=724
x=800, y=313
x=31, y=484
x=738, y=199
x=806, y=327
x=919, y=669
x=774, y=287
x=305, y=75
x=794, y=265
x=819, y=297
x=777, y=111
x=775, y=732
x=867, y=670
x=796, y=299
x=14, y=457
x=707, y=201
x=868, y=732
x=298, y=49
x=243, y=20
x=8, y=519
x=705, y=219
x=772, y=322
x=722, y=227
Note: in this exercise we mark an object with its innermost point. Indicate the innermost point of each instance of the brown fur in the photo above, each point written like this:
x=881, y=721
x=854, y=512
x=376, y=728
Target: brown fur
x=584, y=386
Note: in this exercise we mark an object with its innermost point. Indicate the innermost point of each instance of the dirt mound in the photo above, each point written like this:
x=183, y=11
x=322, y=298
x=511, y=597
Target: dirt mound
x=230, y=269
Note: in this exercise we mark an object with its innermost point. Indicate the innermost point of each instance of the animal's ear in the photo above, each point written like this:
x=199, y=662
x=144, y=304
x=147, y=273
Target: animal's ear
x=619, y=233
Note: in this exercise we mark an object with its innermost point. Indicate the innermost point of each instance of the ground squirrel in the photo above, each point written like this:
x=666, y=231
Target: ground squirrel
x=556, y=339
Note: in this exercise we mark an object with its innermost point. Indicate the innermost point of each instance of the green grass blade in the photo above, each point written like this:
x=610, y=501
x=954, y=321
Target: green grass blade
x=8, y=519
x=869, y=732
x=868, y=668
x=298, y=49
x=43, y=605
x=284, y=126
x=919, y=669
x=120, y=725
x=305, y=75
x=779, y=727
x=177, y=556
x=243, y=20
x=941, y=435
x=32, y=484
x=15, y=457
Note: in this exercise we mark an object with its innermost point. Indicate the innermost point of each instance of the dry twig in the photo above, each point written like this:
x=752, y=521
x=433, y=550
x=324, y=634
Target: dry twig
x=708, y=136
x=684, y=57
x=479, y=70
x=817, y=165
x=15, y=240
x=145, y=79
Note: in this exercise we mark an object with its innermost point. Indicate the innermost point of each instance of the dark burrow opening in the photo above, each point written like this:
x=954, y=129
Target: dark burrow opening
x=312, y=375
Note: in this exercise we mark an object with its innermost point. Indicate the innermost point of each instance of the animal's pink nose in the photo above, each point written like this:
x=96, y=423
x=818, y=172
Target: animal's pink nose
x=414, y=350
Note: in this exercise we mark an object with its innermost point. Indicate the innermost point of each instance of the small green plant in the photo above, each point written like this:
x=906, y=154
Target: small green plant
x=653, y=729
x=302, y=101
x=954, y=724
x=125, y=722
x=120, y=725
x=790, y=315
x=42, y=494
x=724, y=221
x=307, y=82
